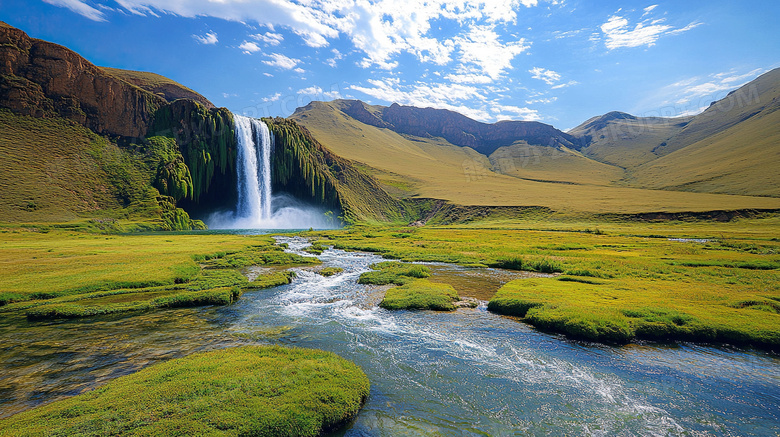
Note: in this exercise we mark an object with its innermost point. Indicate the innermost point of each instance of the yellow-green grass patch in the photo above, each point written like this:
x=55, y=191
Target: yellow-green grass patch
x=251, y=390
x=421, y=294
x=622, y=310
x=66, y=274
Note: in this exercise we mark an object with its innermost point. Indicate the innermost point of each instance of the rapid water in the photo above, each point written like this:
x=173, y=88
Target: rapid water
x=465, y=373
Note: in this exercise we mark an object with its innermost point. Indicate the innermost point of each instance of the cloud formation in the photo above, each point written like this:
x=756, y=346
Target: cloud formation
x=619, y=32
x=281, y=61
x=79, y=7
x=208, y=38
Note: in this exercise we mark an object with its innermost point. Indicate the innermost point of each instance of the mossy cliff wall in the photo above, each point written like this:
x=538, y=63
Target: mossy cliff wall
x=207, y=141
x=307, y=170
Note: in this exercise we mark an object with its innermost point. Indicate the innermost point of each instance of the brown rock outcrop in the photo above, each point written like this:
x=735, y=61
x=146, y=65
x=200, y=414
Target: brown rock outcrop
x=43, y=79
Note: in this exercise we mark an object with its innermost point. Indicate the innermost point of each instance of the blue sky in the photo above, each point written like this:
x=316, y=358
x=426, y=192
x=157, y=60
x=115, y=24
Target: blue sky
x=555, y=61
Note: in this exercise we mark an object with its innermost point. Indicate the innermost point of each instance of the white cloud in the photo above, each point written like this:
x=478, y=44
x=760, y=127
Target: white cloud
x=441, y=96
x=380, y=29
x=543, y=101
x=564, y=85
x=249, y=47
x=465, y=99
x=272, y=98
x=620, y=33
x=508, y=112
x=270, y=38
x=208, y=38
x=482, y=48
x=316, y=93
x=337, y=55
x=548, y=76
x=692, y=95
x=299, y=70
x=79, y=7
x=281, y=61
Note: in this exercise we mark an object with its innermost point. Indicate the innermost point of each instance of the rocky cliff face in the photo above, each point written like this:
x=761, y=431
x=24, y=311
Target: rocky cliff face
x=43, y=79
x=459, y=129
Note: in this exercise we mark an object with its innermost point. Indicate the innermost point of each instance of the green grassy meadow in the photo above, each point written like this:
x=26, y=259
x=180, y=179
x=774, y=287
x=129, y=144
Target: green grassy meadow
x=251, y=390
x=612, y=281
x=53, y=272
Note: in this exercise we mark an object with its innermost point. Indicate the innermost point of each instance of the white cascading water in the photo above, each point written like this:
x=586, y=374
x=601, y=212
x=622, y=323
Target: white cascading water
x=258, y=207
x=254, y=168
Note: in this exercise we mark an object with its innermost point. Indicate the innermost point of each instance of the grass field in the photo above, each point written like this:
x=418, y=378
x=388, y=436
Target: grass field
x=252, y=390
x=55, y=272
x=618, y=281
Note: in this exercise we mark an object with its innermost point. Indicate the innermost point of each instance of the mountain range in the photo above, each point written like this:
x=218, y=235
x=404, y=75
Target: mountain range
x=74, y=136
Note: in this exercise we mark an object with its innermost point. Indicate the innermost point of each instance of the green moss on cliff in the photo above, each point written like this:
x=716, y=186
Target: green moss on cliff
x=304, y=168
x=207, y=143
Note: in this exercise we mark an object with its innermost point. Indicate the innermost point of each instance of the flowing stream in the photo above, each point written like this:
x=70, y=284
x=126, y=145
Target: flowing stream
x=469, y=372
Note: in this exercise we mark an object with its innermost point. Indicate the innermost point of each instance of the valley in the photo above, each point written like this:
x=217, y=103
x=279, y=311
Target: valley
x=171, y=267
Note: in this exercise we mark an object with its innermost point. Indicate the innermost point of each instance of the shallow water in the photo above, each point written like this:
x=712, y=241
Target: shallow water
x=468, y=372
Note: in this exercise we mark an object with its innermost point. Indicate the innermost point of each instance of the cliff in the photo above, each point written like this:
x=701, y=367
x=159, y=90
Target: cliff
x=45, y=80
x=307, y=170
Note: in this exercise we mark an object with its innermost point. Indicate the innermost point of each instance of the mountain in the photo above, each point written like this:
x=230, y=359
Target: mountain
x=44, y=79
x=78, y=140
x=625, y=140
x=437, y=154
x=456, y=128
x=733, y=147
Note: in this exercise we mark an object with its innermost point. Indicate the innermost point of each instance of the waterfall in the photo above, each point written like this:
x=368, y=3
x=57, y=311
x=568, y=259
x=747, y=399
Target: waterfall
x=258, y=207
x=254, y=169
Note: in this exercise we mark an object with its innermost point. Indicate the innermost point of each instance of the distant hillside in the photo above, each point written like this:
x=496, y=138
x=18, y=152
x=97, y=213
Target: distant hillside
x=159, y=85
x=515, y=174
x=624, y=140
x=77, y=140
x=456, y=128
x=733, y=147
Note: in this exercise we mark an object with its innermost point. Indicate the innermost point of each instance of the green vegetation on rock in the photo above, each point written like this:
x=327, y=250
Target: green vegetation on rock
x=420, y=294
x=62, y=171
x=206, y=140
x=304, y=168
x=330, y=271
x=251, y=390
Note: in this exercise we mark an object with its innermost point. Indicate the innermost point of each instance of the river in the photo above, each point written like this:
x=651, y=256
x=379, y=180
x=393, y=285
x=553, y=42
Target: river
x=464, y=373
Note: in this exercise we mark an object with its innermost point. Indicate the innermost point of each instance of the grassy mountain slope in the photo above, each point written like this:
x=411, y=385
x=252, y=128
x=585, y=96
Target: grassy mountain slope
x=743, y=159
x=555, y=164
x=44, y=79
x=624, y=140
x=434, y=168
x=55, y=170
x=752, y=101
x=732, y=147
x=159, y=85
